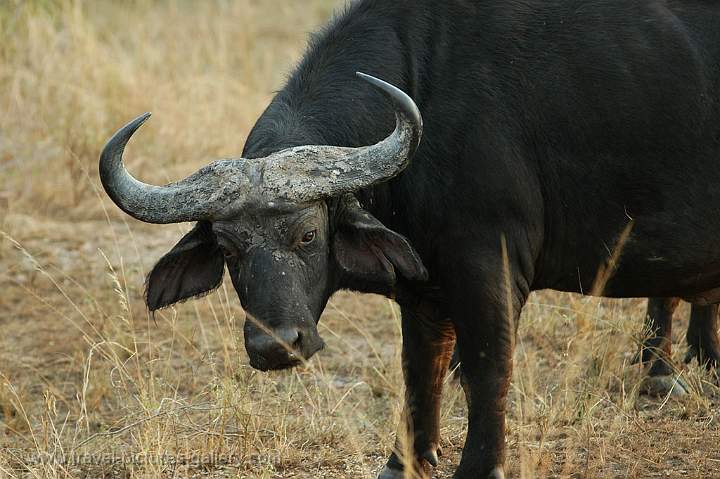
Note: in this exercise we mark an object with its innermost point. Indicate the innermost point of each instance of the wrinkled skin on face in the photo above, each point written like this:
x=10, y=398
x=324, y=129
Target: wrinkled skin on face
x=278, y=265
x=285, y=263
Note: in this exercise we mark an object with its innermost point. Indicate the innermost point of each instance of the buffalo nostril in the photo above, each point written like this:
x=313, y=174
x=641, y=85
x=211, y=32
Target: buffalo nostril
x=287, y=338
x=298, y=342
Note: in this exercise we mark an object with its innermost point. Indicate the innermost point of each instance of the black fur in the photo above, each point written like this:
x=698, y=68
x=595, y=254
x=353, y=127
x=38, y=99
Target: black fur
x=551, y=123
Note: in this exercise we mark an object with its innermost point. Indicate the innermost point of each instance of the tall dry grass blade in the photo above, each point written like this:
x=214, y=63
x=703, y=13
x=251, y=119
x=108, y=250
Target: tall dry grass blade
x=607, y=270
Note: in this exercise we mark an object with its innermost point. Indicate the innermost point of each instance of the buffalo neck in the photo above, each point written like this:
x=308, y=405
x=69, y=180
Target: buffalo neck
x=324, y=103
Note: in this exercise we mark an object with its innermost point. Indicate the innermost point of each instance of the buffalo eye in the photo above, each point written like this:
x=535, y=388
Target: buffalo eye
x=308, y=237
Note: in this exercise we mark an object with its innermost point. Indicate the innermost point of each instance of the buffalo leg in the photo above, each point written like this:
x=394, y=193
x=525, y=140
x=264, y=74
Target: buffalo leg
x=428, y=341
x=657, y=346
x=702, y=336
x=657, y=349
x=485, y=327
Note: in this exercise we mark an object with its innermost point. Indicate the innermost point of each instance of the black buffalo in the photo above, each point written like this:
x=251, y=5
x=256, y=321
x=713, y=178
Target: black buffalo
x=561, y=138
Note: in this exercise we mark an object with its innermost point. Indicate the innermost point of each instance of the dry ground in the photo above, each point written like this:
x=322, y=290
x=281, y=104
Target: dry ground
x=91, y=386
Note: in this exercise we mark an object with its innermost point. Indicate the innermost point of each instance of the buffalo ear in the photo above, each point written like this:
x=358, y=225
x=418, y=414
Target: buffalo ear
x=368, y=252
x=193, y=267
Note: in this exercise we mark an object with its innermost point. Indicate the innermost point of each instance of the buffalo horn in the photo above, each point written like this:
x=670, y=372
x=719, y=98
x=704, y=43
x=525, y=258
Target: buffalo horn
x=295, y=175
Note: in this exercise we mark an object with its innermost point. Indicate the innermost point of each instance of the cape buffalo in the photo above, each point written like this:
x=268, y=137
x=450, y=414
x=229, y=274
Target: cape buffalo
x=561, y=137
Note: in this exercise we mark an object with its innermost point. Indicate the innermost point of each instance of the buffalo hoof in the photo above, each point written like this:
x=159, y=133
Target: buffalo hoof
x=388, y=473
x=497, y=473
x=423, y=466
x=423, y=469
x=431, y=457
x=662, y=386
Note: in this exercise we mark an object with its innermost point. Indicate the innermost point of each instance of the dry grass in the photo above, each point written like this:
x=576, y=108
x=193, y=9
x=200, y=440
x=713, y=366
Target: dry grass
x=85, y=373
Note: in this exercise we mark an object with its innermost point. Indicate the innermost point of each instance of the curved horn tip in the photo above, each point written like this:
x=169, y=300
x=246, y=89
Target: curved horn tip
x=401, y=98
x=137, y=122
x=133, y=125
x=122, y=136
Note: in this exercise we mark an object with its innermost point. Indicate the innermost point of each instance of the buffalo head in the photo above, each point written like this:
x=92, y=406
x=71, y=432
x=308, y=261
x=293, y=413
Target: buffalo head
x=287, y=227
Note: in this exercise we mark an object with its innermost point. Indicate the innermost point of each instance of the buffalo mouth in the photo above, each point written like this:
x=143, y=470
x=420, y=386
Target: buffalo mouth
x=286, y=360
x=262, y=364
